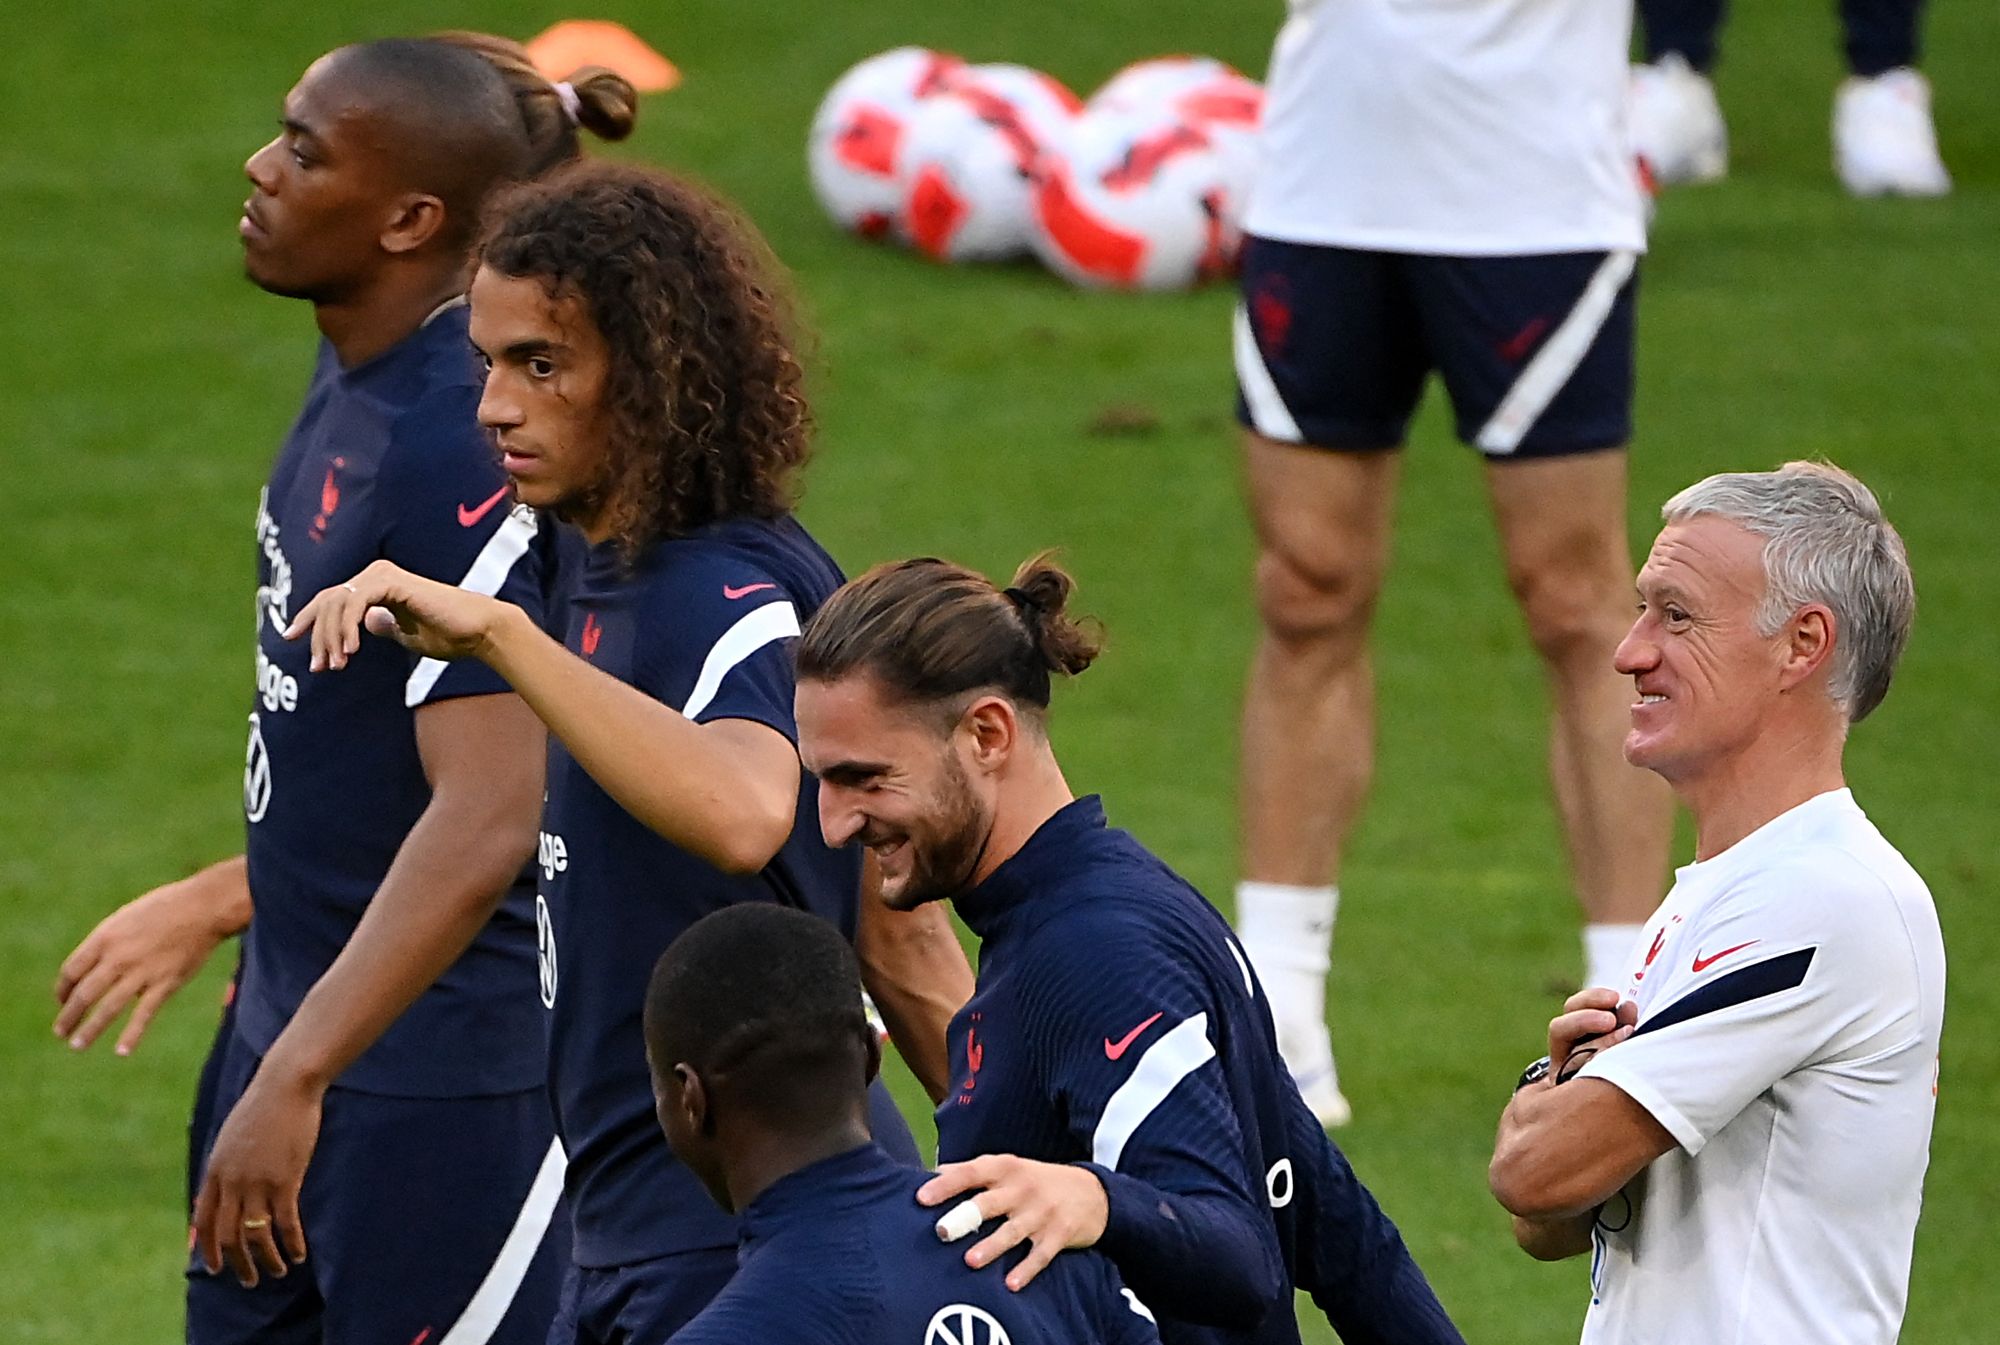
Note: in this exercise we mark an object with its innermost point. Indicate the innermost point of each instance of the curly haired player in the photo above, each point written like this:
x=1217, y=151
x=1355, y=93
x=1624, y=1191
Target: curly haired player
x=642, y=388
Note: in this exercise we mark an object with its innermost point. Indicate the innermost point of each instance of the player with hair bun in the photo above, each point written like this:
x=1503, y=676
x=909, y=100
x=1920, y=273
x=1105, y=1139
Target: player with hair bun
x=1116, y=1076
x=591, y=98
x=371, y=1152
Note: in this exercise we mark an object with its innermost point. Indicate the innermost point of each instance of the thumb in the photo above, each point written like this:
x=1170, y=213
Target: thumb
x=382, y=621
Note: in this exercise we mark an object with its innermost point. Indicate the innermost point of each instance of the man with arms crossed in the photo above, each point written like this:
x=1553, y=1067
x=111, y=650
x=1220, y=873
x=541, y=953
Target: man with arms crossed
x=1738, y=1129
x=377, y=1086
x=1117, y=1082
x=1443, y=187
x=642, y=387
x=761, y=1059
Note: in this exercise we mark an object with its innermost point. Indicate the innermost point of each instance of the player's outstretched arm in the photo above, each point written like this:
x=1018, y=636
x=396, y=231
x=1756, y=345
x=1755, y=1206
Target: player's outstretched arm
x=427, y=617
x=914, y=970
x=146, y=950
x=726, y=791
x=483, y=758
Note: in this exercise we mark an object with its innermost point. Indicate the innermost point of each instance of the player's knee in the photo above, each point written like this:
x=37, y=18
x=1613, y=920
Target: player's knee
x=1570, y=613
x=1326, y=604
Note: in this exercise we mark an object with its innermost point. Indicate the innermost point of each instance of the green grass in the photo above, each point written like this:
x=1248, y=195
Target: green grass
x=146, y=386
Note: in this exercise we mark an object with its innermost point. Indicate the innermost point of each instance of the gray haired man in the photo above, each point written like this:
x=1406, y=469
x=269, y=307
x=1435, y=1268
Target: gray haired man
x=1738, y=1133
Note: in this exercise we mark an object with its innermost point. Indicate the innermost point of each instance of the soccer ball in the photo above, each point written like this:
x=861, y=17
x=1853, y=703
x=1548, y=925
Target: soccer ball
x=1139, y=200
x=1200, y=89
x=855, y=147
x=969, y=158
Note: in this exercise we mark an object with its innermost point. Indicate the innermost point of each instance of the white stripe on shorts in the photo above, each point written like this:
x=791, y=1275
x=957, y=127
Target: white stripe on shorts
x=1553, y=364
x=1269, y=415
x=489, y=570
x=489, y=1303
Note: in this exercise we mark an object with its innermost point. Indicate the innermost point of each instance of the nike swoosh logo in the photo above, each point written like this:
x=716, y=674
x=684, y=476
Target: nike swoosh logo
x=468, y=517
x=1112, y=1050
x=1704, y=963
x=744, y=592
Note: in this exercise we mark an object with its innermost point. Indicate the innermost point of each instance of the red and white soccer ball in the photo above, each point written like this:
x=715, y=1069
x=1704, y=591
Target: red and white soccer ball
x=969, y=159
x=1201, y=89
x=855, y=148
x=1140, y=200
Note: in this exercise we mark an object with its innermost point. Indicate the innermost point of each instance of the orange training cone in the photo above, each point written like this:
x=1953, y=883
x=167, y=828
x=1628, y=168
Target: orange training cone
x=575, y=43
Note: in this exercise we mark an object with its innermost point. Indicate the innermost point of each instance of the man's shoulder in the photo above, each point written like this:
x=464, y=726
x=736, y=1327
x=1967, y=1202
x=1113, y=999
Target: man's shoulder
x=1845, y=884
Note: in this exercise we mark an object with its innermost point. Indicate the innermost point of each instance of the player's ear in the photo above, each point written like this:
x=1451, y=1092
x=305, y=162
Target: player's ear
x=993, y=727
x=417, y=218
x=871, y=1043
x=1809, y=639
x=692, y=1106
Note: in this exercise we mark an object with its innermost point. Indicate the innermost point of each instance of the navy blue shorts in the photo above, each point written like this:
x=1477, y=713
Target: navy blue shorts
x=1333, y=346
x=427, y=1219
x=640, y=1303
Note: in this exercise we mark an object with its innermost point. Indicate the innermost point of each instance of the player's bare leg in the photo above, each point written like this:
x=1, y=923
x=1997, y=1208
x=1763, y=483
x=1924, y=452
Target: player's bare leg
x=1562, y=530
x=1322, y=521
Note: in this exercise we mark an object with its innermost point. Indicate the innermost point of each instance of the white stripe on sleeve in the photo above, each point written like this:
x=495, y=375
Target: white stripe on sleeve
x=1269, y=415
x=490, y=1301
x=1167, y=1061
x=489, y=570
x=1553, y=364
x=772, y=621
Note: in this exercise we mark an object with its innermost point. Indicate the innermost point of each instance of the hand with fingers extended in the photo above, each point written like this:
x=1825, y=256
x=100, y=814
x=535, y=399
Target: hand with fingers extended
x=144, y=951
x=1050, y=1206
x=247, y=1213
x=1592, y=1021
x=432, y=619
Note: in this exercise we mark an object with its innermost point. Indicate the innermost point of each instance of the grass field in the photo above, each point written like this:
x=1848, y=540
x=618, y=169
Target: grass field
x=146, y=384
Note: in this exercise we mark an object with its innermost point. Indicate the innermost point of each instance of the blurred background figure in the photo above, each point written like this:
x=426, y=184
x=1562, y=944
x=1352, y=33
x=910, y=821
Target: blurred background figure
x=1476, y=215
x=1884, y=143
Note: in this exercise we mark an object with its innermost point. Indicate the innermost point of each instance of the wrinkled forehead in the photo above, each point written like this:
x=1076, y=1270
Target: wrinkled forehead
x=1706, y=554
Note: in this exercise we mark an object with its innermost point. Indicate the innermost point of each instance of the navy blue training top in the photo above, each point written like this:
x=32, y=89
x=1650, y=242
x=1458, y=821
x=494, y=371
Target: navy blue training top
x=386, y=460
x=840, y=1253
x=703, y=623
x=1116, y=1023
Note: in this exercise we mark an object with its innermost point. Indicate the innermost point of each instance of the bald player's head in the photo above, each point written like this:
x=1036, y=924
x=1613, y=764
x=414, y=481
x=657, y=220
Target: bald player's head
x=386, y=153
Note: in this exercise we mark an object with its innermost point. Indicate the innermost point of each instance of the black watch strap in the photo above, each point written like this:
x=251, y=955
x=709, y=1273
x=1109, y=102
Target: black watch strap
x=1534, y=1073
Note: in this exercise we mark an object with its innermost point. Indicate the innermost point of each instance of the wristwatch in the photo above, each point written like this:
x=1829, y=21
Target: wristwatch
x=1534, y=1073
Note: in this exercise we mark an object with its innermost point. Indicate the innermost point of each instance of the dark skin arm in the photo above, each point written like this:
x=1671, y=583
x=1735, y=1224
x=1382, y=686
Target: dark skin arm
x=915, y=971
x=483, y=757
x=147, y=949
x=1566, y=1148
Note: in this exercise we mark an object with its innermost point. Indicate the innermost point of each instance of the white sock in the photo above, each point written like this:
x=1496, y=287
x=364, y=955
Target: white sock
x=1607, y=955
x=1288, y=933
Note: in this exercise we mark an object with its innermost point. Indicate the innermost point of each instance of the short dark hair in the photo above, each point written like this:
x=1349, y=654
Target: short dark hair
x=764, y=1002
x=458, y=136
x=706, y=401
x=933, y=633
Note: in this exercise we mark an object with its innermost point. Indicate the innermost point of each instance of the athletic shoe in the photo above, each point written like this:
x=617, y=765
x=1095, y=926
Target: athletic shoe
x=1677, y=126
x=1308, y=1053
x=1883, y=141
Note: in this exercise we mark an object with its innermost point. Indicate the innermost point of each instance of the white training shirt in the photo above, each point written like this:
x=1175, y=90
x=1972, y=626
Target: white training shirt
x=1456, y=127
x=1791, y=994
